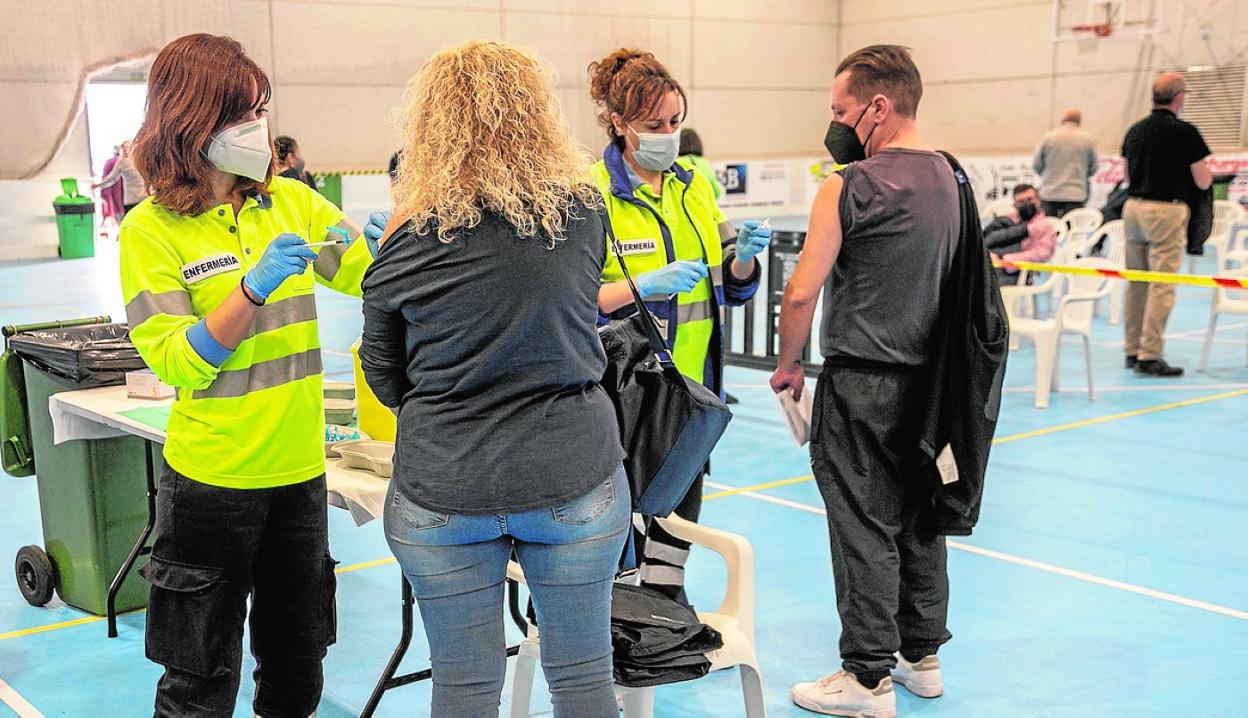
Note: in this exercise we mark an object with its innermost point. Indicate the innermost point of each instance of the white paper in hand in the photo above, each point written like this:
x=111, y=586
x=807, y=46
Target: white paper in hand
x=797, y=414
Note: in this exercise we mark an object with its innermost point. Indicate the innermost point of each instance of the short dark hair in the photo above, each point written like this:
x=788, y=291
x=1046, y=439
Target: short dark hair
x=690, y=143
x=1021, y=188
x=887, y=70
x=284, y=145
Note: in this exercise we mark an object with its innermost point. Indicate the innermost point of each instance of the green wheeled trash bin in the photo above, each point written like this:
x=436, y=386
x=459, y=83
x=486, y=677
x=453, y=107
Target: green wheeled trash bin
x=92, y=492
x=75, y=221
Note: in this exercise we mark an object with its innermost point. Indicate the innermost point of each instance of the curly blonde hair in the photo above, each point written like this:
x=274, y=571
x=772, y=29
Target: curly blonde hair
x=482, y=131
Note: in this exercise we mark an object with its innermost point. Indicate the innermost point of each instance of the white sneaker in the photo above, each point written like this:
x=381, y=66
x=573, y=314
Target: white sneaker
x=840, y=694
x=922, y=679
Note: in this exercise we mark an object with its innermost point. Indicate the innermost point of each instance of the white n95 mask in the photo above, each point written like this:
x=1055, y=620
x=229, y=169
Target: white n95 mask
x=243, y=150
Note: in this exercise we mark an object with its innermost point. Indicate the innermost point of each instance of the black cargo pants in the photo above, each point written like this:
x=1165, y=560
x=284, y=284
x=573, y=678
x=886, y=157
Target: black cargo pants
x=892, y=590
x=216, y=547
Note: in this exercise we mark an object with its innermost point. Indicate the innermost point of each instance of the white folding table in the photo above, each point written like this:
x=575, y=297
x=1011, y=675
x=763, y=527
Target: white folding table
x=97, y=414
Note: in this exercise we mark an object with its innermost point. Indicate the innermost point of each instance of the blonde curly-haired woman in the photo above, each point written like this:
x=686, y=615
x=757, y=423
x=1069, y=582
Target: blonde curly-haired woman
x=479, y=330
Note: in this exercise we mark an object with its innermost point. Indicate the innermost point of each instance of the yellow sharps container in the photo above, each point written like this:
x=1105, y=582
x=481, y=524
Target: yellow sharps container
x=374, y=419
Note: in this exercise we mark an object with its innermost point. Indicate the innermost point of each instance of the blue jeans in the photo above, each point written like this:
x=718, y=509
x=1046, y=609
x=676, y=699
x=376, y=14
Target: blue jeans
x=457, y=564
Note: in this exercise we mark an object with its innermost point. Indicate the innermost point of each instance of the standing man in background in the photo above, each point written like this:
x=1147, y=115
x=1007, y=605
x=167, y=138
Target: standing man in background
x=1065, y=160
x=1166, y=165
x=886, y=230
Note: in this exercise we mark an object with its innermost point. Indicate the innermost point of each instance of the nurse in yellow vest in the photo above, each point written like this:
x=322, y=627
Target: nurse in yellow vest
x=218, y=281
x=687, y=260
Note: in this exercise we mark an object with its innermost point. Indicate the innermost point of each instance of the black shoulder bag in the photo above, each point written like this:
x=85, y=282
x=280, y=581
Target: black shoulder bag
x=668, y=423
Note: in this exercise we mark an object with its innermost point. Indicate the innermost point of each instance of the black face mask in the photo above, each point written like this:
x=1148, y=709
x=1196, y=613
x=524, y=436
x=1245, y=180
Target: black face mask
x=843, y=143
x=1026, y=211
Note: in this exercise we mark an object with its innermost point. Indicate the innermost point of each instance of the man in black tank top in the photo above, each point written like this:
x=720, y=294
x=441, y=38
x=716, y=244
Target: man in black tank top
x=880, y=245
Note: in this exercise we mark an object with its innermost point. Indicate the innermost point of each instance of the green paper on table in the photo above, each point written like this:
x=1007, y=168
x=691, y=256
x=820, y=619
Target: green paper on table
x=156, y=417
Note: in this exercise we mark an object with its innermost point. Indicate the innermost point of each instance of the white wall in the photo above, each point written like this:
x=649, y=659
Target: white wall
x=756, y=72
x=994, y=80
x=27, y=225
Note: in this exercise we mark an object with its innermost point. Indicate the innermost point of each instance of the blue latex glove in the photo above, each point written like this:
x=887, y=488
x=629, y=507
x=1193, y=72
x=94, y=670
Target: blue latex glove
x=285, y=256
x=676, y=278
x=375, y=230
x=752, y=239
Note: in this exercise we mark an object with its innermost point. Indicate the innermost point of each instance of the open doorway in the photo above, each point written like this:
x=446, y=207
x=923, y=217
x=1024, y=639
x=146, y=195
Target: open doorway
x=114, y=111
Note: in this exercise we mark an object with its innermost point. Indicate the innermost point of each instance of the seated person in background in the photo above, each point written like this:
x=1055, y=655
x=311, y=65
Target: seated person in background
x=1023, y=235
x=290, y=162
x=395, y=160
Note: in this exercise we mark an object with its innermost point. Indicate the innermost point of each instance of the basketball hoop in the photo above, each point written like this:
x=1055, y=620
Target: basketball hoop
x=1095, y=29
x=1087, y=34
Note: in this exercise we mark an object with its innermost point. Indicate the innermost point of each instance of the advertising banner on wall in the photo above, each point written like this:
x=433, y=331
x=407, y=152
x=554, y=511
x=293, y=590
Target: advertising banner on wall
x=754, y=183
x=994, y=177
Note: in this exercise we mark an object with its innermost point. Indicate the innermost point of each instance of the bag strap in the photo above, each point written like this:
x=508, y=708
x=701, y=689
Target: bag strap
x=648, y=322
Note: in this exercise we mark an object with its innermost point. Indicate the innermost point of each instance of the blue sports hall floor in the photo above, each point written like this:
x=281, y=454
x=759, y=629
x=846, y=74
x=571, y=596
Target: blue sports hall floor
x=1108, y=575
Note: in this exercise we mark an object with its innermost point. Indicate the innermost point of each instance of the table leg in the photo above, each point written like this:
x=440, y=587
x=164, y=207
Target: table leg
x=405, y=639
x=388, y=678
x=140, y=548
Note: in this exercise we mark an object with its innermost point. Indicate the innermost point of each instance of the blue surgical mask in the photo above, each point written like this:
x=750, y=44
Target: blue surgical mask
x=656, y=151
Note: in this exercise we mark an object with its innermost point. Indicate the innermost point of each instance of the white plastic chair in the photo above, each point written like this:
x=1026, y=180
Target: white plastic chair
x=1060, y=228
x=1081, y=226
x=1020, y=298
x=734, y=619
x=1074, y=316
x=1113, y=234
x=1062, y=251
x=1225, y=301
x=1236, y=241
x=1226, y=215
x=994, y=209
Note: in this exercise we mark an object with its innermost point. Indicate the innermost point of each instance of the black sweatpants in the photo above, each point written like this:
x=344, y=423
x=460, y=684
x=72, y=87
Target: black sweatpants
x=216, y=547
x=892, y=591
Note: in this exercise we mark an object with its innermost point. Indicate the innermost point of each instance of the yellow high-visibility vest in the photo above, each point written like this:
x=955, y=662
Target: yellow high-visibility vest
x=257, y=421
x=682, y=223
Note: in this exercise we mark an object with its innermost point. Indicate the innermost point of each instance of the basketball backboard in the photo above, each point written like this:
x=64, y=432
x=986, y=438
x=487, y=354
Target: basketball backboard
x=1106, y=19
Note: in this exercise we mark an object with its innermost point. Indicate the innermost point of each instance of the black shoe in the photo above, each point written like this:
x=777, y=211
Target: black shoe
x=1156, y=367
x=1130, y=361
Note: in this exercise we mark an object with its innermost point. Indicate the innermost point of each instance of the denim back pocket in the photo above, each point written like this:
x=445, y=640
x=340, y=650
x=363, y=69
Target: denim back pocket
x=416, y=516
x=587, y=508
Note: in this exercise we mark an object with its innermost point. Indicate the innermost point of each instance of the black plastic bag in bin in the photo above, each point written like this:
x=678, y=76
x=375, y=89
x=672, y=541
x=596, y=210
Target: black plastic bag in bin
x=89, y=356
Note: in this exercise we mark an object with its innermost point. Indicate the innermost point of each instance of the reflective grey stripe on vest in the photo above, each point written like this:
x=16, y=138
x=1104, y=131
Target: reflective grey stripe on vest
x=693, y=312
x=330, y=258
x=717, y=275
x=291, y=310
x=263, y=375
x=147, y=305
